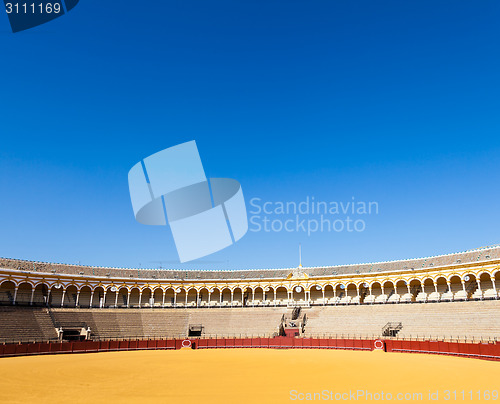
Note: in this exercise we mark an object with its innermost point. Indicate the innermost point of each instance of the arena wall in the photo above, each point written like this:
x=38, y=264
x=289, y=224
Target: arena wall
x=450, y=296
x=487, y=351
x=473, y=275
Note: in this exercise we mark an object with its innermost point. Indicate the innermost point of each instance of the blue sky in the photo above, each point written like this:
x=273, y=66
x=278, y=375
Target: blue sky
x=394, y=102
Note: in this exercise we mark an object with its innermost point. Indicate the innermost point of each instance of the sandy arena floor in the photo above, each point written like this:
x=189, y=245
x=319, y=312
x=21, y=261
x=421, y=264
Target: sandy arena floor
x=244, y=376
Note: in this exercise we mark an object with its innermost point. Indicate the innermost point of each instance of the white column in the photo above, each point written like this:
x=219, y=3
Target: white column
x=128, y=298
x=32, y=294
x=435, y=287
x=232, y=291
x=48, y=296
x=140, y=298
x=15, y=295
x=101, y=305
x=186, y=300
x=408, y=287
x=494, y=286
x=62, y=299
x=77, y=298
x=253, y=296
x=197, y=297
x=209, y=296
x=175, y=298
x=91, y=298
x=323, y=292
x=116, y=297
x=163, y=301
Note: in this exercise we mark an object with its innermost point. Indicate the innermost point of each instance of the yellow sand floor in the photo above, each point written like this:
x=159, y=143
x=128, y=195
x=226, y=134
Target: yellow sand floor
x=244, y=376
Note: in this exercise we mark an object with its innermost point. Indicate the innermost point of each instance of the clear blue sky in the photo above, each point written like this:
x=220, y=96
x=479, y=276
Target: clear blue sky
x=395, y=102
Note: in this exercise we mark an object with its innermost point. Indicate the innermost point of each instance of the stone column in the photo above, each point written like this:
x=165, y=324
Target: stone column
x=15, y=295
x=32, y=295
x=62, y=299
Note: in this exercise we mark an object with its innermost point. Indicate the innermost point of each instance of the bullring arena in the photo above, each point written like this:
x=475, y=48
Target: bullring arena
x=417, y=330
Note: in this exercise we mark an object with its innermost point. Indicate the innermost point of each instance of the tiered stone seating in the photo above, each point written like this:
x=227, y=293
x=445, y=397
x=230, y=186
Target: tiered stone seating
x=490, y=294
x=5, y=297
x=248, y=321
x=395, y=298
x=73, y=318
x=171, y=323
x=447, y=296
x=460, y=295
x=406, y=298
x=478, y=319
x=45, y=323
x=108, y=323
x=421, y=297
x=478, y=294
x=370, y=299
x=434, y=297
x=139, y=323
x=25, y=325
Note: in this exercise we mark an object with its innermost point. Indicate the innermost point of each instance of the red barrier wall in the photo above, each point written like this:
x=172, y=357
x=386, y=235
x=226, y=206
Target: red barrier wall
x=471, y=350
x=490, y=351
